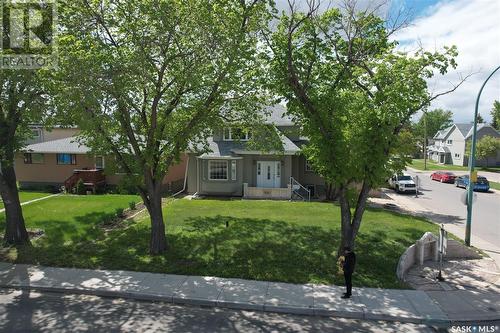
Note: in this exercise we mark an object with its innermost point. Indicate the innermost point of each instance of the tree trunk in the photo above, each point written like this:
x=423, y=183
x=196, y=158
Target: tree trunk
x=350, y=224
x=15, y=228
x=158, y=240
x=345, y=220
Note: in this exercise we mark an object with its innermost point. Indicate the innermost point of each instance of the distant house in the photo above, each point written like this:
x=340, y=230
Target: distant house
x=450, y=144
x=232, y=167
x=55, y=158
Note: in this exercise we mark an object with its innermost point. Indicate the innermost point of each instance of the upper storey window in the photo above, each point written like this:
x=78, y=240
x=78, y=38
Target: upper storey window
x=236, y=134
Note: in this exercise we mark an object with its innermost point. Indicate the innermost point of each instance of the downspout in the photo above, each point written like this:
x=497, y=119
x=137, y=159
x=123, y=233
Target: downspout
x=197, y=177
x=185, y=180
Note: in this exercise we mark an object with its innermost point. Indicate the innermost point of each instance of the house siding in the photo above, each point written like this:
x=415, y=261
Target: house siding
x=49, y=173
x=457, y=147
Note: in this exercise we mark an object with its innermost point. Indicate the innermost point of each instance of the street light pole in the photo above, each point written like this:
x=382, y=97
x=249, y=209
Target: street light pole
x=472, y=161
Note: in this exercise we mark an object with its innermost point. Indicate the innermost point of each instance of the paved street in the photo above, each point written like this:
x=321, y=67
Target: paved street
x=28, y=311
x=445, y=201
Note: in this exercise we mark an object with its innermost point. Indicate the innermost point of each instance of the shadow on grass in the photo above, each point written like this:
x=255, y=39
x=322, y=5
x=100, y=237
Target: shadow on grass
x=224, y=246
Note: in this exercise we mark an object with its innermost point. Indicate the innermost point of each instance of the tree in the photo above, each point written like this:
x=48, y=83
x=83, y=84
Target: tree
x=145, y=79
x=495, y=115
x=486, y=147
x=480, y=119
x=353, y=94
x=22, y=102
x=431, y=122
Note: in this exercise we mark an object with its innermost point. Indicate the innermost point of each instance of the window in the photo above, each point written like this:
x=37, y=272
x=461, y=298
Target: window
x=36, y=133
x=33, y=158
x=231, y=134
x=233, y=170
x=217, y=170
x=99, y=162
x=449, y=142
x=308, y=166
x=457, y=155
x=278, y=169
x=66, y=159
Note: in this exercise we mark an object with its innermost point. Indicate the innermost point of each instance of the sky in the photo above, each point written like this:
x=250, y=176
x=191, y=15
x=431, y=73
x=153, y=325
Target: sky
x=473, y=26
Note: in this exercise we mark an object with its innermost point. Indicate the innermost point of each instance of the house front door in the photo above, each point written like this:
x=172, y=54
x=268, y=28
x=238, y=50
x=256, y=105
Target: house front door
x=269, y=174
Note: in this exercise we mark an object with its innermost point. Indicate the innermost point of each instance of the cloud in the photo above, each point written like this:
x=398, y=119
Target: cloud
x=473, y=26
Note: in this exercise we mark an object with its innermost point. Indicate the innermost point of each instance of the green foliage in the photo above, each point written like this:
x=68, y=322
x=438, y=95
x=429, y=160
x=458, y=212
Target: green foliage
x=263, y=242
x=151, y=77
x=431, y=122
x=119, y=212
x=495, y=115
x=480, y=119
x=132, y=205
x=486, y=147
x=351, y=92
x=128, y=185
x=80, y=187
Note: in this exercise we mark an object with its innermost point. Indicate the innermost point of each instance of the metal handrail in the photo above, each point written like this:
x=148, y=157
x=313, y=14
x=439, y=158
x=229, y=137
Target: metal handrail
x=293, y=181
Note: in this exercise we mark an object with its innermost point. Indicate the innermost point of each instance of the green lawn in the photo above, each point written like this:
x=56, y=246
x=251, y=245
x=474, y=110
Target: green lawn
x=264, y=240
x=495, y=186
x=25, y=196
x=431, y=166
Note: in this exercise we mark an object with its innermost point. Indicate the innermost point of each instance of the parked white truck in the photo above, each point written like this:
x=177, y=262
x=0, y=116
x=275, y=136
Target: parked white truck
x=403, y=183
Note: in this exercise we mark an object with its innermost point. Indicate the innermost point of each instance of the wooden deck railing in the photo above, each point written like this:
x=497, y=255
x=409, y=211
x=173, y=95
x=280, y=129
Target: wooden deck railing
x=90, y=178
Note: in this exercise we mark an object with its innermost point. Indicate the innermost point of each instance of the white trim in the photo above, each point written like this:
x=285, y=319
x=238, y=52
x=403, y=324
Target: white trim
x=246, y=138
x=234, y=166
x=103, y=162
x=219, y=157
x=255, y=152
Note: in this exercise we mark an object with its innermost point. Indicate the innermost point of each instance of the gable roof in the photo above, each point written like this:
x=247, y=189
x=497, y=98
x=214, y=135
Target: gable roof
x=276, y=115
x=442, y=133
x=464, y=128
x=67, y=145
x=221, y=149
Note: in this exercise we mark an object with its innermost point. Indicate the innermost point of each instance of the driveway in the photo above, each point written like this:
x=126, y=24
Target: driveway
x=442, y=203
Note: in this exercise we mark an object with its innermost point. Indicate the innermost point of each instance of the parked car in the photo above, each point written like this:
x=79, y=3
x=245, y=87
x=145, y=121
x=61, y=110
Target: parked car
x=482, y=183
x=402, y=183
x=444, y=176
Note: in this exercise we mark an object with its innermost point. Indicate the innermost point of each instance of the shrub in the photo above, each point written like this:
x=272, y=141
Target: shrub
x=132, y=205
x=119, y=212
x=80, y=187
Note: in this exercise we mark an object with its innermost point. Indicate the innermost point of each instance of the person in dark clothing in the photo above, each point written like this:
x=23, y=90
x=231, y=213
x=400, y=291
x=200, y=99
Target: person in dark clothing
x=348, y=267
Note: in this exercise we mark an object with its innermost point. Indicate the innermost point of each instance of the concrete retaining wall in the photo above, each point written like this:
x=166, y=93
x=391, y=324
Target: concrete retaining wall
x=426, y=249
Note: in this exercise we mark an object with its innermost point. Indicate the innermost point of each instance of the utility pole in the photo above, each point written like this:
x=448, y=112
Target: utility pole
x=472, y=160
x=425, y=140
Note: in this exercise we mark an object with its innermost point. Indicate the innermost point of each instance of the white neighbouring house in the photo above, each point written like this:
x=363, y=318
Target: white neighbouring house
x=450, y=144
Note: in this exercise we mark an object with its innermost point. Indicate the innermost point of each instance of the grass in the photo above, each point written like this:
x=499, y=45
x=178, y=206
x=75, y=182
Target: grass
x=495, y=185
x=264, y=240
x=432, y=166
x=25, y=196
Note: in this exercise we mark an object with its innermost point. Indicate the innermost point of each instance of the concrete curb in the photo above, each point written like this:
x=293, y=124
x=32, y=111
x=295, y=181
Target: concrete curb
x=360, y=315
x=406, y=306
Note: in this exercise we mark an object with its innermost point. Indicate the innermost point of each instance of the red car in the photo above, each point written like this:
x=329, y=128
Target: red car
x=444, y=176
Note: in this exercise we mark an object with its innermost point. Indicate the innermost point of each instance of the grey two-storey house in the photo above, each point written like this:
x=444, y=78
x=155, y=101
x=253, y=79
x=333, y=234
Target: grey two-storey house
x=232, y=168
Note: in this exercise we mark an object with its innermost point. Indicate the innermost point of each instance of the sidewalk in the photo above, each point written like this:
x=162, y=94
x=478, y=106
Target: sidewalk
x=35, y=200
x=432, y=308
